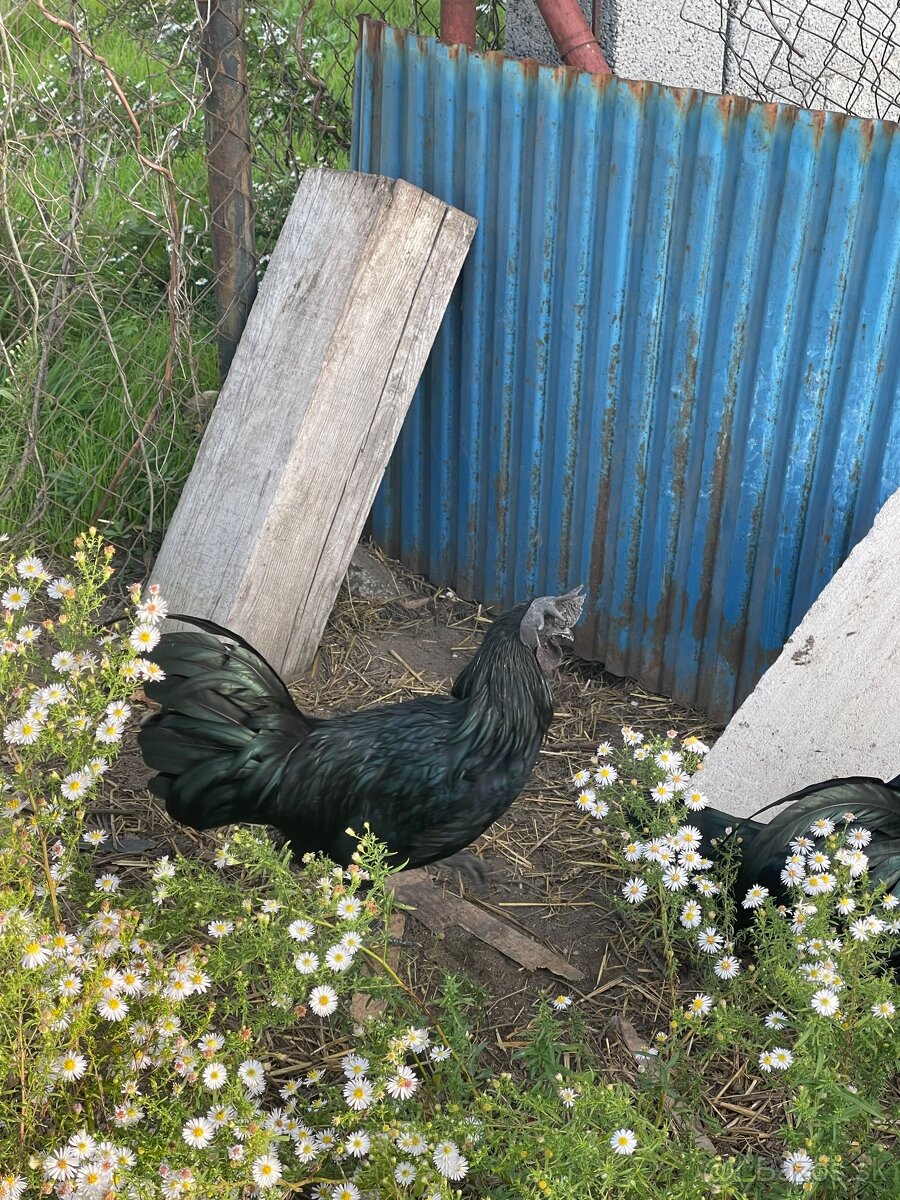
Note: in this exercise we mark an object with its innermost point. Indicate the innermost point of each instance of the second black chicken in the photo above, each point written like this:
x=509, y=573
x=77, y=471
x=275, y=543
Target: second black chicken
x=428, y=776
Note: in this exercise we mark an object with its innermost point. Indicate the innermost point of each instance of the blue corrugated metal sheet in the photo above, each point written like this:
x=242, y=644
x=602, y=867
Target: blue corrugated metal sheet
x=672, y=368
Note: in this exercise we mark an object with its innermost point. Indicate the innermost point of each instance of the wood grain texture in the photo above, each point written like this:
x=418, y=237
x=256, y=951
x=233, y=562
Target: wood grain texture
x=311, y=409
x=437, y=910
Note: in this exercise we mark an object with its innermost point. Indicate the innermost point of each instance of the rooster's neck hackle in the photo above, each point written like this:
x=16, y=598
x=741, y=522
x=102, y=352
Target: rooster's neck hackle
x=508, y=695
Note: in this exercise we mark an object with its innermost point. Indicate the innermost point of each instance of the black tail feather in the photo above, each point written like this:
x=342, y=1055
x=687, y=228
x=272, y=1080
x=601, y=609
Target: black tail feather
x=226, y=727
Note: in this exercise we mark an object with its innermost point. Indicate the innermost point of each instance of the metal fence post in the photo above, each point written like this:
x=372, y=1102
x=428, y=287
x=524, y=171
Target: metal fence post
x=228, y=164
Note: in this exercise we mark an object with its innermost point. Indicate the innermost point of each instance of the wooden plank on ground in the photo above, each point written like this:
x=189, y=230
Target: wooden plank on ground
x=437, y=910
x=311, y=409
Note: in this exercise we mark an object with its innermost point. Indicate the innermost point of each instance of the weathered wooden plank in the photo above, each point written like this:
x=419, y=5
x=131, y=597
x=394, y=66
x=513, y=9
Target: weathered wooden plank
x=311, y=409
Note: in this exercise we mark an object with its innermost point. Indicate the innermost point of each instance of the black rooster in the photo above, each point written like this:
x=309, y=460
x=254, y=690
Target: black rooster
x=428, y=775
x=764, y=847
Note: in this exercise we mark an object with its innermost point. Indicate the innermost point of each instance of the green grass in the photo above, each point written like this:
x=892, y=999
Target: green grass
x=97, y=352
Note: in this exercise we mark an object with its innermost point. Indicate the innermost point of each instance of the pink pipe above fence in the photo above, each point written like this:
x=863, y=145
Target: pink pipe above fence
x=573, y=36
x=458, y=23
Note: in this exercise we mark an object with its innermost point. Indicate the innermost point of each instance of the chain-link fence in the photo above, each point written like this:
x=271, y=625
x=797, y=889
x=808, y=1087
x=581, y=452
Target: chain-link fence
x=123, y=138
x=842, y=55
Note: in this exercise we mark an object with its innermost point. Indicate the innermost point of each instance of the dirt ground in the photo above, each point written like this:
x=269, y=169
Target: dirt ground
x=549, y=872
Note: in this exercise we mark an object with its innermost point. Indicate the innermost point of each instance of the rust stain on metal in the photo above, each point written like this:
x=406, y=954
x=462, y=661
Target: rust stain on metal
x=698, y=605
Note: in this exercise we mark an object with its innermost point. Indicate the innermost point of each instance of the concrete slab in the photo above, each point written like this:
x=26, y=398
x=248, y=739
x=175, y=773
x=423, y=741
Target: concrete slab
x=830, y=704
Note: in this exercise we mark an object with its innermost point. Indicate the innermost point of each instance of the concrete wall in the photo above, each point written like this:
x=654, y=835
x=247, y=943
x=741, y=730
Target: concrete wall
x=649, y=40
x=836, y=54
x=828, y=706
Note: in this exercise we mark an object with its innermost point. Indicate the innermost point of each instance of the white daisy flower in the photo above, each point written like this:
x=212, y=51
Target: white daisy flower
x=699, y=1006
x=354, y=1066
x=691, y=860
x=694, y=800
x=826, y=1003
x=61, y=1165
x=797, y=1167
x=22, y=733
x=358, y=1093
x=266, y=1171
x=691, y=915
x=345, y=1191
x=301, y=930
x=34, y=954
x=198, y=1132
x=113, y=1008
x=709, y=940
x=654, y=850
x=584, y=801
x=766, y=1061
x=71, y=1066
x=623, y=1141
x=15, y=599
x=675, y=879
x=405, y=1173
x=152, y=611
x=69, y=984
x=705, y=886
x=863, y=929
x=411, y=1142
x=144, y=637
x=823, y=827
x=215, y=1076
x=109, y=731
x=727, y=967
x=883, y=1010
x=252, y=1075
x=402, y=1085
x=357, y=1144
x=323, y=1001
x=57, y=588
x=30, y=568
x=83, y=1144
x=305, y=1148
x=756, y=896
x=448, y=1160
x=635, y=890
x=76, y=784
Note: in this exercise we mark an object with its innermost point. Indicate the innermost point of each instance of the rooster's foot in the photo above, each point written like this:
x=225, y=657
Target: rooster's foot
x=469, y=865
